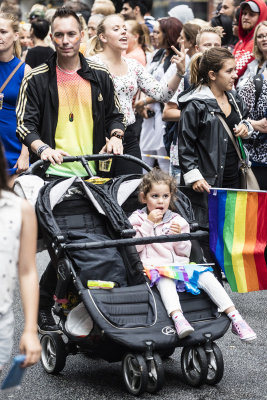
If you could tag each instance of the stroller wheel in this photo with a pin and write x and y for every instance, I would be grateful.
(194, 365)
(53, 355)
(215, 365)
(135, 374)
(155, 374)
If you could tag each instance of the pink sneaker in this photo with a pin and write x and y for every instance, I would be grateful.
(183, 327)
(244, 331)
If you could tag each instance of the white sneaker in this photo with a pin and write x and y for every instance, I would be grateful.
(182, 326)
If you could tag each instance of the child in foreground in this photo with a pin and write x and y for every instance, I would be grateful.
(157, 192)
(18, 239)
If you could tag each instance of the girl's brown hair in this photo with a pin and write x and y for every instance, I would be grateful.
(156, 175)
(211, 60)
(15, 26)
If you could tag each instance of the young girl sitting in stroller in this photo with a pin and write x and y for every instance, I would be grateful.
(157, 192)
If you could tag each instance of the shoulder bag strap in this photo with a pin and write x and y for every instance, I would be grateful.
(258, 83)
(226, 127)
(10, 76)
(236, 106)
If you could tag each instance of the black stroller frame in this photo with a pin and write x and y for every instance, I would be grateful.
(141, 346)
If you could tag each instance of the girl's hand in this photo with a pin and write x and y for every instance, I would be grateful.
(30, 346)
(201, 186)
(175, 228)
(155, 216)
(241, 130)
(179, 58)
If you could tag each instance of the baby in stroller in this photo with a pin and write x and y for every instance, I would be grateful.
(157, 191)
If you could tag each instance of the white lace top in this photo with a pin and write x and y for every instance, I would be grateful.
(136, 78)
(10, 222)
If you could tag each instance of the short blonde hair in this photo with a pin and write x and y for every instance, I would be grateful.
(256, 51)
(208, 29)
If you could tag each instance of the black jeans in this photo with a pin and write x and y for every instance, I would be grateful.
(131, 146)
(261, 176)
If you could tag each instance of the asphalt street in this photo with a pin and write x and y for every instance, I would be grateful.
(245, 376)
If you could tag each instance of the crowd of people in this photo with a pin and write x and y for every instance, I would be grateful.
(179, 92)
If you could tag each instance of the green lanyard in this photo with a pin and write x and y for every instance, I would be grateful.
(243, 154)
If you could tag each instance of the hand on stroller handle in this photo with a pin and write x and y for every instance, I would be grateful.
(88, 157)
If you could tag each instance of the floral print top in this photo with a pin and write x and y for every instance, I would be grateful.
(136, 78)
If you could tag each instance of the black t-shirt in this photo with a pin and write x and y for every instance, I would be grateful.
(38, 55)
(230, 175)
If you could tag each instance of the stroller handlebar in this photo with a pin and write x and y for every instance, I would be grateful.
(84, 160)
(136, 241)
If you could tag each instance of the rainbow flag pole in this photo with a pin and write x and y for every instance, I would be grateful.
(238, 236)
(156, 156)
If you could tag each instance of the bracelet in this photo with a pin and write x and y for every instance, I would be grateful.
(180, 75)
(248, 125)
(117, 135)
(41, 149)
(145, 102)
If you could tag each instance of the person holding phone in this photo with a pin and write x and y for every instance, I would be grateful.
(166, 34)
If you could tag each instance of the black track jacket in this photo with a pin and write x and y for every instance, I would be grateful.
(37, 105)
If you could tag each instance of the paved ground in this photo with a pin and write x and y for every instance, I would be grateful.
(244, 378)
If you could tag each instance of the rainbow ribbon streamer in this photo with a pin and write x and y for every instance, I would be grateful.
(238, 237)
(186, 276)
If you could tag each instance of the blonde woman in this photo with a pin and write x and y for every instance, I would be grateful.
(129, 76)
(256, 101)
(17, 155)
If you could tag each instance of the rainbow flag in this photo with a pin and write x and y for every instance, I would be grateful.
(238, 237)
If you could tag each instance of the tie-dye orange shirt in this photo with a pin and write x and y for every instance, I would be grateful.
(76, 136)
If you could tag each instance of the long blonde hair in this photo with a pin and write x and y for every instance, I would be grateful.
(15, 26)
(95, 44)
(256, 51)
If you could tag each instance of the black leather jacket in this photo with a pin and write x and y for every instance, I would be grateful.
(202, 143)
(37, 105)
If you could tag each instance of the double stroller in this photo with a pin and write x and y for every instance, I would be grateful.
(102, 285)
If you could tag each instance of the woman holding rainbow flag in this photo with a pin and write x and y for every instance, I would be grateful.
(210, 108)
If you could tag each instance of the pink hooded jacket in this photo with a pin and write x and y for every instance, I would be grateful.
(161, 253)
